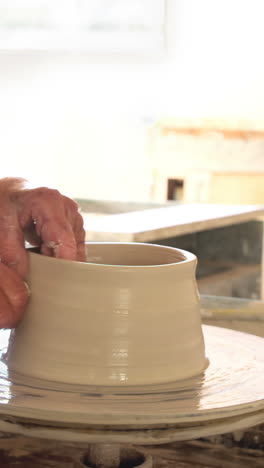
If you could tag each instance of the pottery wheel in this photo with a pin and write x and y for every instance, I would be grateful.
(228, 396)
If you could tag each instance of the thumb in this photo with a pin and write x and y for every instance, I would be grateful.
(14, 296)
(12, 243)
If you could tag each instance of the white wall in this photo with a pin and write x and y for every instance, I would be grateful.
(77, 124)
(76, 121)
(216, 65)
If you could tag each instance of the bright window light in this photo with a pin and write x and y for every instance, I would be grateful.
(92, 25)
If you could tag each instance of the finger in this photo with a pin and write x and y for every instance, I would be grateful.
(6, 312)
(44, 250)
(57, 237)
(12, 245)
(80, 238)
(14, 295)
(76, 221)
(46, 208)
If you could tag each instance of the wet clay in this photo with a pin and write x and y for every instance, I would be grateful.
(129, 316)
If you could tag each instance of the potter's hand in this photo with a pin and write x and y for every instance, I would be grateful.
(43, 217)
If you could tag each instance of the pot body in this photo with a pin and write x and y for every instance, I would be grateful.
(129, 316)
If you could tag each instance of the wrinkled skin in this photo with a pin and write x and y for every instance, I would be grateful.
(44, 218)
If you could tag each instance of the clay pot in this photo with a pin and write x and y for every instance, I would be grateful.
(128, 316)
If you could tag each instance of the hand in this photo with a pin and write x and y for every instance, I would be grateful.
(43, 217)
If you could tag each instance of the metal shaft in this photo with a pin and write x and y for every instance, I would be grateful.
(105, 455)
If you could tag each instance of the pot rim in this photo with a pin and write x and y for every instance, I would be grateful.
(188, 258)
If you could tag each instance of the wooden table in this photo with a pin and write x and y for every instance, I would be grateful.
(150, 225)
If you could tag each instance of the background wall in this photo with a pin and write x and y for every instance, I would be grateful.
(215, 66)
(80, 122)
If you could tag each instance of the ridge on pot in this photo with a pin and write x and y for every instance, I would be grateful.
(129, 316)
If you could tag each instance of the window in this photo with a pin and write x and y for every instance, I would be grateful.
(91, 25)
(175, 189)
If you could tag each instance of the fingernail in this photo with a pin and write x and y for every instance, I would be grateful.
(27, 286)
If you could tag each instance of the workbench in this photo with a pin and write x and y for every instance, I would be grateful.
(172, 224)
(148, 225)
(236, 450)
(219, 453)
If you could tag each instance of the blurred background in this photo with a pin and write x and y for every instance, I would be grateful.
(143, 100)
(138, 104)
